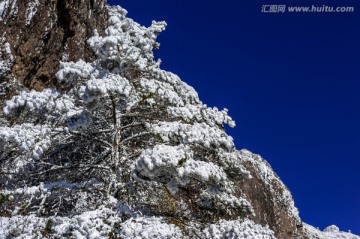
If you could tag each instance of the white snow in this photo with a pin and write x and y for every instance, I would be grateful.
(31, 11)
(70, 72)
(238, 229)
(78, 118)
(198, 133)
(149, 228)
(232, 163)
(96, 224)
(203, 171)
(8, 7)
(331, 232)
(110, 84)
(48, 100)
(177, 162)
(43, 187)
(6, 60)
(211, 116)
(162, 89)
(8, 52)
(125, 42)
(177, 165)
(161, 156)
(332, 228)
(27, 137)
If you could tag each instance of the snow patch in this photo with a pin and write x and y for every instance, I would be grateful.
(27, 137)
(7, 60)
(48, 100)
(8, 7)
(71, 72)
(331, 232)
(238, 229)
(96, 224)
(31, 11)
(149, 228)
(109, 85)
(177, 162)
(332, 228)
(198, 134)
(211, 116)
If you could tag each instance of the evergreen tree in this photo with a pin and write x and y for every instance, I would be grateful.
(118, 142)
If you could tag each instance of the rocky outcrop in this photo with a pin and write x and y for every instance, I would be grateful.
(270, 198)
(40, 33)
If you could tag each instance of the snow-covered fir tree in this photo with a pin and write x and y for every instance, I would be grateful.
(123, 149)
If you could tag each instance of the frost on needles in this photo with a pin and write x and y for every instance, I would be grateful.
(129, 150)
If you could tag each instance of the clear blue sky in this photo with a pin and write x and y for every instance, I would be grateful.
(291, 81)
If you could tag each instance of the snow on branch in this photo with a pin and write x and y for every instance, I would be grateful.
(27, 137)
(238, 229)
(177, 162)
(71, 72)
(125, 42)
(148, 228)
(198, 133)
(110, 84)
(48, 101)
(199, 113)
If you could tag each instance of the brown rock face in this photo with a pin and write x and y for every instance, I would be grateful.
(43, 32)
(271, 200)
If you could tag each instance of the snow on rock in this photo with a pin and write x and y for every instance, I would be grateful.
(99, 224)
(269, 177)
(331, 232)
(332, 228)
(238, 229)
(149, 228)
